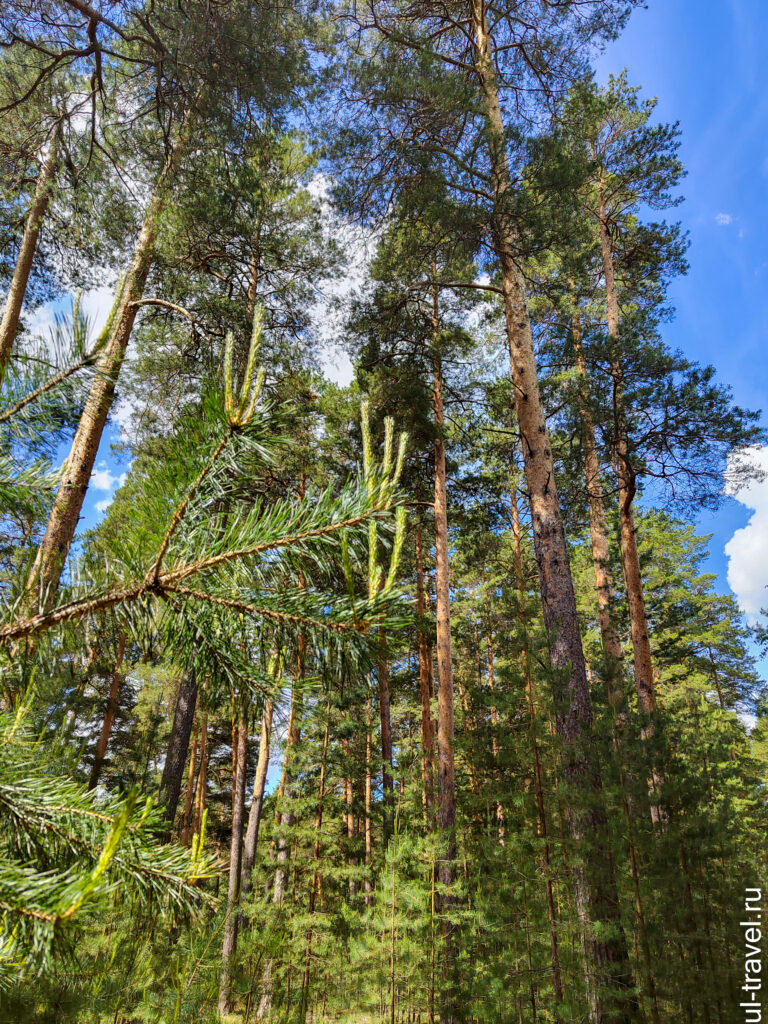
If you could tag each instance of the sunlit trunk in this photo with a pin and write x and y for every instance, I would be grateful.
(538, 777)
(425, 685)
(62, 522)
(446, 786)
(627, 487)
(257, 800)
(229, 945)
(17, 289)
(608, 974)
(109, 715)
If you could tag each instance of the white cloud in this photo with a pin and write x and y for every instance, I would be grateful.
(337, 366)
(331, 309)
(747, 550)
(102, 506)
(724, 218)
(102, 479)
(40, 320)
(97, 304)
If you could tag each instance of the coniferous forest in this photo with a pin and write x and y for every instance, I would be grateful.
(401, 702)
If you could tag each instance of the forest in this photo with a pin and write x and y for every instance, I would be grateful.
(402, 701)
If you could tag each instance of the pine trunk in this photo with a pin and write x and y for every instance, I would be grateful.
(229, 945)
(285, 819)
(500, 816)
(257, 801)
(305, 982)
(368, 804)
(62, 523)
(189, 793)
(17, 290)
(201, 790)
(446, 808)
(178, 746)
(109, 715)
(425, 685)
(538, 779)
(385, 718)
(598, 529)
(627, 487)
(609, 977)
(612, 649)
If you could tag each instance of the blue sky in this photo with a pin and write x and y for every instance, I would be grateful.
(705, 61)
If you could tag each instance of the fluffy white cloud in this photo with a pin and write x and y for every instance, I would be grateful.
(97, 304)
(747, 550)
(102, 506)
(724, 218)
(102, 479)
(331, 309)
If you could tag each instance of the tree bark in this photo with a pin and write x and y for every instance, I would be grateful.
(609, 977)
(612, 650)
(627, 487)
(189, 794)
(385, 718)
(178, 746)
(500, 816)
(17, 290)
(538, 780)
(109, 715)
(201, 791)
(643, 661)
(286, 819)
(349, 819)
(315, 872)
(257, 800)
(62, 523)
(425, 685)
(229, 945)
(446, 810)
(368, 804)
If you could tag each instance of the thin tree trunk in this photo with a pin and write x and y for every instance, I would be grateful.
(235, 748)
(469, 730)
(529, 957)
(627, 487)
(601, 556)
(349, 819)
(286, 819)
(257, 801)
(425, 685)
(254, 267)
(109, 715)
(368, 804)
(500, 817)
(315, 871)
(612, 650)
(17, 290)
(69, 727)
(189, 794)
(62, 522)
(201, 790)
(446, 811)
(385, 717)
(610, 982)
(229, 945)
(538, 781)
(178, 746)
